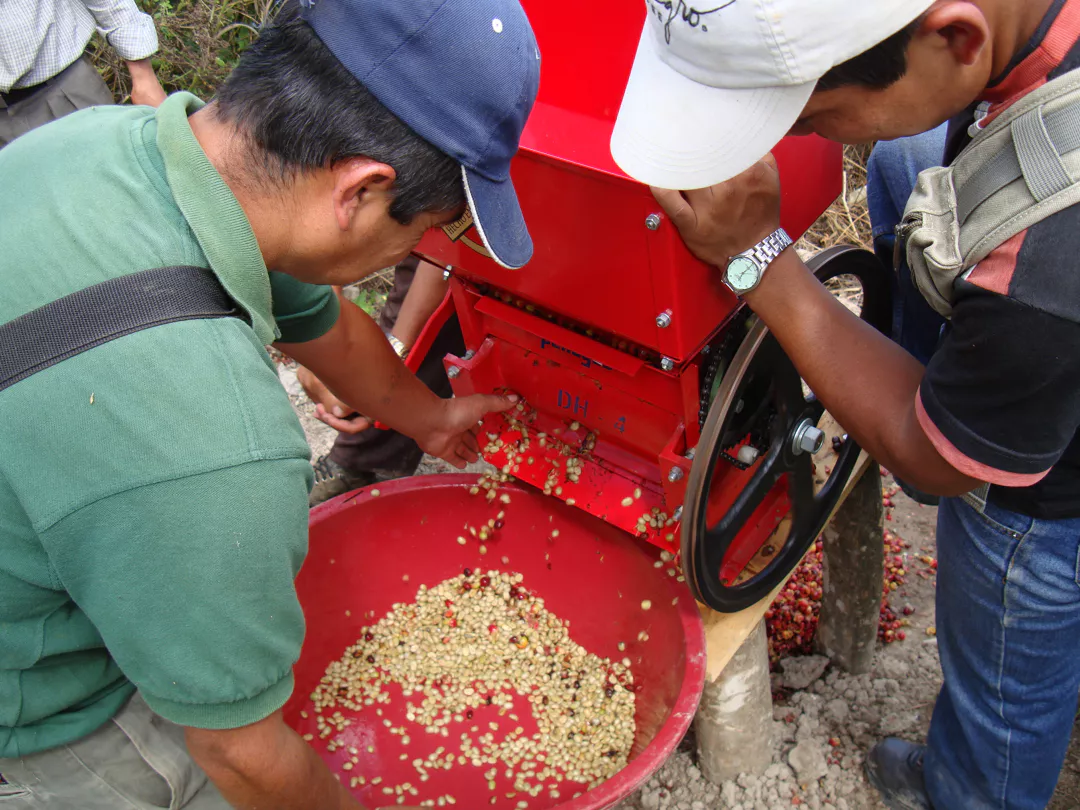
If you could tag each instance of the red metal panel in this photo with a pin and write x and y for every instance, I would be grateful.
(431, 330)
(564, 394)
(591, 262)
(587, 353)
(595, 261)
(597, 268)
(597, 264)
(582, 75)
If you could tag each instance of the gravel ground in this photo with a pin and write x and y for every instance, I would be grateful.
(824, 720)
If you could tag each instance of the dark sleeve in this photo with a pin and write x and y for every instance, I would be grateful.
(1001, 397)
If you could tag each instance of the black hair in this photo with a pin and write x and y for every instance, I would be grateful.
(878, 68)
(302, 110)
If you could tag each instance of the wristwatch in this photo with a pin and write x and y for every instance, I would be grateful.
(745, 270)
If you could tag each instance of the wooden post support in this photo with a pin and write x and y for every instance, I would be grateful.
(734, 722)
(852, 568)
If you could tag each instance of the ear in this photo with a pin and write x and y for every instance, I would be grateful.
(960, 27)
(358, 183)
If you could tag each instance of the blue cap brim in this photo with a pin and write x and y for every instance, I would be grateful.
(498, 219)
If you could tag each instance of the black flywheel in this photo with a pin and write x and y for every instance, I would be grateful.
(768, 470)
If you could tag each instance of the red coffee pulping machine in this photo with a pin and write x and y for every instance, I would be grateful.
(651, 398)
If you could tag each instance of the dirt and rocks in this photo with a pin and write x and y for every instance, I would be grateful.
(824, 720)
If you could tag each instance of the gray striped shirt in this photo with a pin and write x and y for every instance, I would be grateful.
(39, 38)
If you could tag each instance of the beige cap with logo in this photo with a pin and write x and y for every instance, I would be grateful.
(717, 83)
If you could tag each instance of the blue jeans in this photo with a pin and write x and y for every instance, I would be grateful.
(1008, 619)
(1008, 598)
(890, 176)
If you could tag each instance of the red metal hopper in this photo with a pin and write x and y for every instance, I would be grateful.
(618, 339)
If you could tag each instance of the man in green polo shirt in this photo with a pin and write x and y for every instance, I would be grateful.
(153, 489)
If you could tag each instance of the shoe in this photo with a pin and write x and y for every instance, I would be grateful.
(895, 768)
(331, 480)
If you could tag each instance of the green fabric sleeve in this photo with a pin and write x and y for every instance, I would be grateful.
(303, 311)
(224, 715)
(190, 584)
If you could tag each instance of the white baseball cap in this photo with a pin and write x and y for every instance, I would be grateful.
(717, 84)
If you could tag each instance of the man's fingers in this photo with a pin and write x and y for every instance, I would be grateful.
(480, 404)
(704, 199)
(496, 403)
(347, 426)
(679, 211)
(469, 440)
(321, 395)
(357, 424)
(700, 199)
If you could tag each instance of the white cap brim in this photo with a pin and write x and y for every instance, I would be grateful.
(675, 133)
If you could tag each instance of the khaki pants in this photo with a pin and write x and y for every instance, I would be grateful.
(137, 761)
(75, 87)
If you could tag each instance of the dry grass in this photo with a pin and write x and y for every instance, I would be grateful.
(847, 222)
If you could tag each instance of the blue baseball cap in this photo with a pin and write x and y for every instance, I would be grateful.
(463, 75)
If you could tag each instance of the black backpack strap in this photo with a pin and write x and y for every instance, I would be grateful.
(75, 323)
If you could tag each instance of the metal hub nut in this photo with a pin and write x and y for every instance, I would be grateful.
(807, 438)
(667, 364)
(453, 371)
(675, 474)
(652, 222)
(663, 320)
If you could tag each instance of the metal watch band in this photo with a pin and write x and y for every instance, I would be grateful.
(766, 251)
(397, 346)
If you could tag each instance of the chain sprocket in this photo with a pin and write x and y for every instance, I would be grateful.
(717, 364)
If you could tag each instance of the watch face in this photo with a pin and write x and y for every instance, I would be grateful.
(743, 274)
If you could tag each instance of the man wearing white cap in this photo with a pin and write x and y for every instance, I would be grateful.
(996, 410)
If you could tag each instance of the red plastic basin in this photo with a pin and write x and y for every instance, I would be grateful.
(363, 544)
